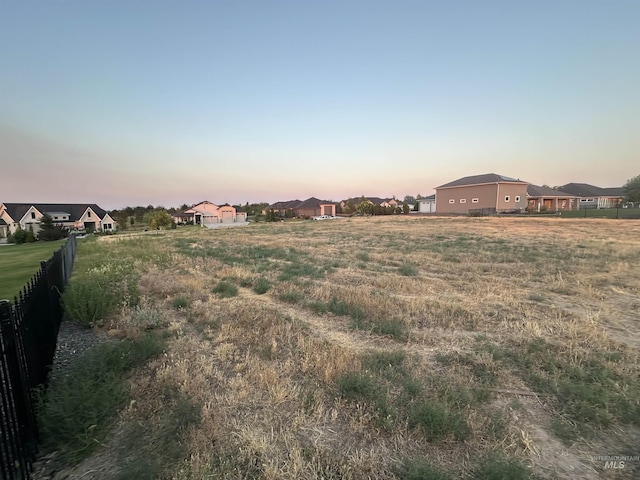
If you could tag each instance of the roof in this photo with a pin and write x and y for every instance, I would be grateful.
(430, 197)
(536, 191)
(312, 202)
(586, 190)
(285, 205)
(75, 210)
(480, 180)
(2, 222)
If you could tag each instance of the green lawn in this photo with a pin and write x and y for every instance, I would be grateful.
(603, 213)
(18, 263)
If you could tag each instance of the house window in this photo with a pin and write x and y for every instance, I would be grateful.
(463, 200)
(507, 198)
(89, 214)
(517, 198)
(474, 200)
(452, 201)
(33, 215)
(55, 218)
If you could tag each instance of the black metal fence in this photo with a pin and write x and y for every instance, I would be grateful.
(28, 335)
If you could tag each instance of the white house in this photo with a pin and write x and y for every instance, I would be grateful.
(71, 215)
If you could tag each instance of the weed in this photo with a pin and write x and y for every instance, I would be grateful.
(354, 385)
(498, 467)
(165, 444)
(78, 406)
(291, 296)
(392, 328)
(180, 303)
(225, 289)
(380, 361)
(363, 256)
(421, 469)
(261, 286)
(438, 422)
(408, 270)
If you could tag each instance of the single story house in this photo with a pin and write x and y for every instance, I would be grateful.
(87, 216)
(311, 207)
(488, 193)
(427, 204)
(549, 199)
(590, 196)
(207, 213)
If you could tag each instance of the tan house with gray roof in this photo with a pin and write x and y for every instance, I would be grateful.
(488, 193)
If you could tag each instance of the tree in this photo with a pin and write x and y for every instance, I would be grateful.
(158, 219)
(405, 208)
(31, 236)
(19, 236)
(631, 190)
(50, 231)
(271, 216)
(410, 199)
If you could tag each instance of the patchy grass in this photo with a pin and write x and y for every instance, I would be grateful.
(508, 340)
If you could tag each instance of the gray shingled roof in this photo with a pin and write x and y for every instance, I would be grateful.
(480, 179)
(536, 191)
(586, 190)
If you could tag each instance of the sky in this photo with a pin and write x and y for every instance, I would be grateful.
(138, 102)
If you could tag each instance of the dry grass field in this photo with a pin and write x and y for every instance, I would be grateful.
(376, 348)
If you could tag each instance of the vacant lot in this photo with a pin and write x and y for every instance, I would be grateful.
(18, 263)
(371, 348)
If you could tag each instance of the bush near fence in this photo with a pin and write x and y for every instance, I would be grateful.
(28, 335)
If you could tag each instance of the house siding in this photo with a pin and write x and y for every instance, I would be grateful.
(490, 196)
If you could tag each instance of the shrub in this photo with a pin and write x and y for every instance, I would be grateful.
(31, 237)
(225, 289)
(19, 236)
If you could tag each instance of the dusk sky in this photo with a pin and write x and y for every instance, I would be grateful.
(167, 102)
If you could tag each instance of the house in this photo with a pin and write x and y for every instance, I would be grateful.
(208, 213)
(590, 196)
(427, 204)
(549, 199)
(488, 193)
(311, 207)
(87, 216)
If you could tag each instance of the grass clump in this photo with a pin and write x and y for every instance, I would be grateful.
(79, 405)
(421, 469)
(498, 467)
(180, 303)
(408, 270)
(225, 289)
(261, 286)
(438, 422)
(392, 328)
(291, 296)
